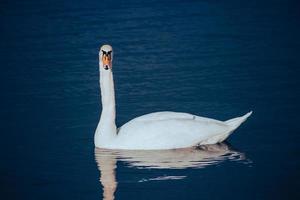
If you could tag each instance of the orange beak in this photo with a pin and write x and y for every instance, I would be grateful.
(106, 60)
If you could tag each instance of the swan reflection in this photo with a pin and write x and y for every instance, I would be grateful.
(199, 157)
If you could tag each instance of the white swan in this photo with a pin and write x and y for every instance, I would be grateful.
(160, 130)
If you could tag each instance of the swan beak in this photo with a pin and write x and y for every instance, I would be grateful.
(106, 60)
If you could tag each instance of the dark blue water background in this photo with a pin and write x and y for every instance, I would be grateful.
(217, 59)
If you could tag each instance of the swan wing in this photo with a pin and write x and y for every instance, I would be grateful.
(168, 115)
(168, 130)
(165, 115)
(171, 130)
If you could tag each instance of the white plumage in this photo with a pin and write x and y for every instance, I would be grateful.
(160, 130)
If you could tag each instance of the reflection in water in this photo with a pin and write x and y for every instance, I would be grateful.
(106, 162)
(199, 157)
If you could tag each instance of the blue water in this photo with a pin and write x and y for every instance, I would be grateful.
(217, 59)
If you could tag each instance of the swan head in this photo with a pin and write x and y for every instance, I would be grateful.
(106, 57)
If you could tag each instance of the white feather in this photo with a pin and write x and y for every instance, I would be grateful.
(159, 130)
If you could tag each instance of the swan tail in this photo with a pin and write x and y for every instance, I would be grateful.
(236, 122)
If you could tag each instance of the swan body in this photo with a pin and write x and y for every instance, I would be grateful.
(159, 130)
(170, 130)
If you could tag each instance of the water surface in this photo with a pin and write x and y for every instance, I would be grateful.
(216, 59)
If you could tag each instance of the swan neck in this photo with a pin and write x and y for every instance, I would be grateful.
(106, 129)
(107, 91)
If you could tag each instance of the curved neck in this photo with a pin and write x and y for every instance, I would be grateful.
(107, 90)
(106, 129)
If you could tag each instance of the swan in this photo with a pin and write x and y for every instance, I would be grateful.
(154, 131)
